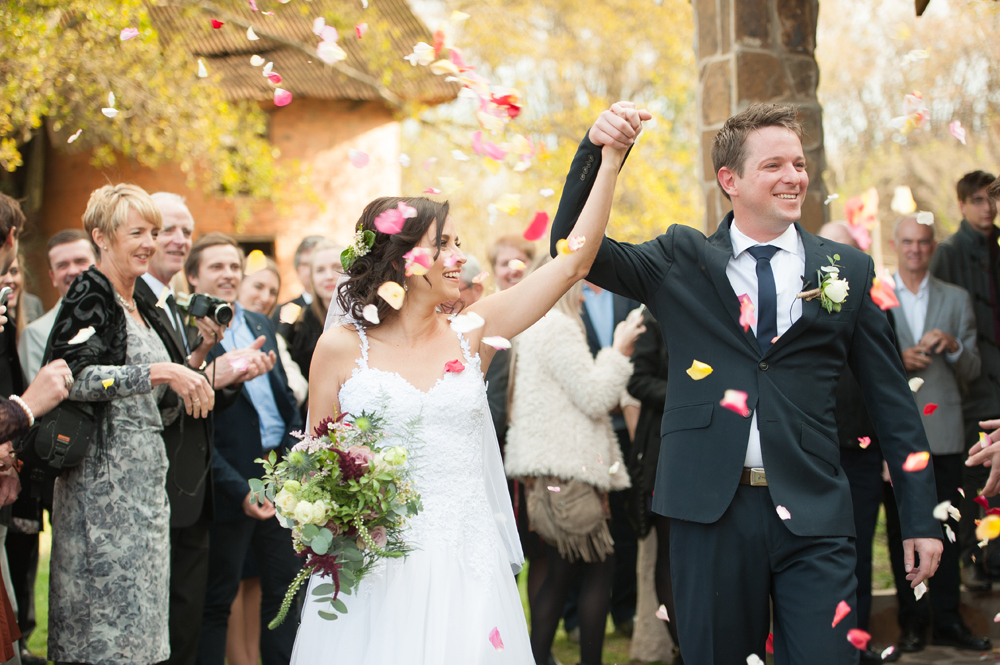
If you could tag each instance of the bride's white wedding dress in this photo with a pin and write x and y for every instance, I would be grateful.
(440, 604)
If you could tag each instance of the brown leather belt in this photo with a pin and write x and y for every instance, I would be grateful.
(753, 477)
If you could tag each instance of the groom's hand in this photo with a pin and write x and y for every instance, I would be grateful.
(929, 552)
(262, 511)
(619, 126)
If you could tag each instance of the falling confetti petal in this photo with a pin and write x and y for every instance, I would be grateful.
(391, 221)
(982, 502)
(916, 383)
(930, 408)
(956, 129)
(466, 323)
(432, 190)
(902, 201)
(661, 613)
(996, 618)
(392, 293)
(516, 264)
(256, 261)
(449, 185)
(888, 651)
(370, 314)
(864, 441)
(883, 293)
(358, 159)
(948, 532)
(783, 513)
(442, 67)
(318, 24)
(916, 461)
(251, 35)
(941, 511)
(698, 370)
(418, 260)
(457, 17)
(273, 77)
(495, 640)
(497, 342)
(454, 366)
(843, 609)
(107, 383)
(962, 492)
(831, 197)
(858, 638)
(423, 54)
(330, 52)
(240, 364)
(217, 24)
(289, 313)
(988, 528)
(537, 227)
(955, 513)
(75, 136)
(202, 71)
(509, 203)
(82, 335)
(925, 218)
(404, 160)
(547, 192)
(478, 279)
(613, 469)
(110, 112)
(253, 5)
(754, 659)
(769, 644)
(747, 317)
(129, 33)
(554, 488)
(256, 60)
(360, 29)
(282, 97)
(919, 590)
(736, 401)
(459, 156)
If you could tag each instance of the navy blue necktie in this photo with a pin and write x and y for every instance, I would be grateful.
(767, 296)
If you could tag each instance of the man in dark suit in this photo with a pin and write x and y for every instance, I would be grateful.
(189, 440)
(760, 508)
(303, 269)
(260, 421)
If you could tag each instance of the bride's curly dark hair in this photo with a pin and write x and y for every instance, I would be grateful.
(385, 262)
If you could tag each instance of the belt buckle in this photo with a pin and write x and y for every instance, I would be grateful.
(757, 478)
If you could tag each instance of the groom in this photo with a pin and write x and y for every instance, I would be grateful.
(761, 508)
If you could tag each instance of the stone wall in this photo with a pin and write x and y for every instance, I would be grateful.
(758, 51)
(313, 137)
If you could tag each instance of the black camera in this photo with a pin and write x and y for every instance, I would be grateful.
(201, 305)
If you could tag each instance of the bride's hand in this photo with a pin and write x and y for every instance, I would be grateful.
(617, 129)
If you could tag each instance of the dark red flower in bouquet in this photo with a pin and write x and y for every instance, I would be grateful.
(323, 428)
(349, 469)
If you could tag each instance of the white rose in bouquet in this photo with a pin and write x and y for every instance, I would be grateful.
(319, 511)
(285, 501)
(303, 513)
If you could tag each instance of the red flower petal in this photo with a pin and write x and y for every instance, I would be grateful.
(537, 227)
(274, 77)
(736, 401)
(843, 609)
(217, 24)
(769, 645)
(858, 638)
(981, 500)
(930, 408)
(457, 367)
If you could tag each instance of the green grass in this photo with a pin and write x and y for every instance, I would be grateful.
(37, 641)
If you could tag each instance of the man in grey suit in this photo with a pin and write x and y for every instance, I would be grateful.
(936, 335)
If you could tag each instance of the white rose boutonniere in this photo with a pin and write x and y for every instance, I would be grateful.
(833, 290)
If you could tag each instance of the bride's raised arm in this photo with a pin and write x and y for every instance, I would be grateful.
(510, 312)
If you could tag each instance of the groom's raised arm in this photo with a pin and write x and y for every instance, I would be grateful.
(633, 271)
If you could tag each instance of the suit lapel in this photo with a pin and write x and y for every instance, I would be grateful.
(816, 257)
(146, 292)
(934, 304)
(718, 252)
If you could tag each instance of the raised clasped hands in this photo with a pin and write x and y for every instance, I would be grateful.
(618, 128)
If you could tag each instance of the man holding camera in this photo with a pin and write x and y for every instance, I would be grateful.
(261, 420)
(189, 440)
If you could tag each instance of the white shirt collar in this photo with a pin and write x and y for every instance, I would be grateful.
(157, 286)
(307, 297)
(788, 241)
(921, 290)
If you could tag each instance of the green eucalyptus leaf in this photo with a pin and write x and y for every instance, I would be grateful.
(329, 616)
(339, 605)
(323, 589)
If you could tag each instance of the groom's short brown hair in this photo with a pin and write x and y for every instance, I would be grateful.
(729, 146)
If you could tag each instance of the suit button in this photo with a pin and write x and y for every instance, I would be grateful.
(763, 365)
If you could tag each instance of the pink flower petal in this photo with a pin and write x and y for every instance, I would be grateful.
(406, 211)
(537, 227)
(390, 222)
(858, 638)
(217, 24)
(747, 317)
(864, 441)
(783, 513)
(318, 24)
(282, 97)
(661, 613)
(360, 29)
(736, 401)
(495, 640)
(457, 367)
(358, 159)
(962, 492)
(843, 609)
(432, 190)
(478, 279)
(329, 34)
(274, 77)
(253, 5)
(956, 129)
(240, 364)
(128, 33)
(883, 294)
(916, 461)
(418, 260)
(556, 488)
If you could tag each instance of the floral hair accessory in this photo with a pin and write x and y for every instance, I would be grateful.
(363, 241)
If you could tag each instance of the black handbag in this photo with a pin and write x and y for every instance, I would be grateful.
(64, 435)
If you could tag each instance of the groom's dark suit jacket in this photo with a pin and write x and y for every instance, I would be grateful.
(681, 276)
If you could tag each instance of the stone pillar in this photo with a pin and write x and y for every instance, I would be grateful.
(758, 51)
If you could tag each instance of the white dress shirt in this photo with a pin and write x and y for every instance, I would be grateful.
(914, 306)
(158, 288)
(788, 266)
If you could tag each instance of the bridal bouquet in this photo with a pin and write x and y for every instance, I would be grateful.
(346, 500)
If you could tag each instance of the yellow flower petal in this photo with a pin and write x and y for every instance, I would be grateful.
(289, 313)
(698, 370)
(107, 383)
(392, 293)
(989, 528)
(256, 261)
(509, 203)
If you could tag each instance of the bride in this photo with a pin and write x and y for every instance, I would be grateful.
(453, 599)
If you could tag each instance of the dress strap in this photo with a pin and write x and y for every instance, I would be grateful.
(363, 360)
(467, 350)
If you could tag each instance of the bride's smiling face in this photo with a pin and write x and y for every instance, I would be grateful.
(445, 274)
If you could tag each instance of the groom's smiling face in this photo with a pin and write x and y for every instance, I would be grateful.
(770, 192)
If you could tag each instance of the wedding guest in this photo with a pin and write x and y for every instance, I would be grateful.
(25, 307)
(649, 385)
(324, 271)
(69, 253)
(110, 514)
(561, 432)
(970, 258)
(301, 262)
(259, 293)
(472, 288)
(261, 421)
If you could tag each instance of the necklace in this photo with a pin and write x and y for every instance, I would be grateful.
(129, 306)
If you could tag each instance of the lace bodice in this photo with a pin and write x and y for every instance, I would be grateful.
(442, 430)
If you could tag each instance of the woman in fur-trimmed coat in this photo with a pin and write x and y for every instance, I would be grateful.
(560, 426)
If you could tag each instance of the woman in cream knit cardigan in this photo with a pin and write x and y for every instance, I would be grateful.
(560, 426)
